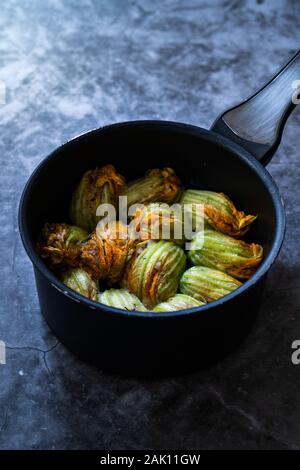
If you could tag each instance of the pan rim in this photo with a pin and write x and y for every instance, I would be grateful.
(188, 129)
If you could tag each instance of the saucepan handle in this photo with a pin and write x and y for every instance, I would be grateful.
(257, 123)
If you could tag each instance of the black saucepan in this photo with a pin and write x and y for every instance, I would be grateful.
(227, 158)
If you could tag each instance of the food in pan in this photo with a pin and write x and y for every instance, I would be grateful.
(80, 281)
(158, 221)
(60, 244)
(219, 212)
(98, 186)
(205, 283)
(178, 302)
(159, 185)
(153, 274)
(121, 298)
(105, 254)
(218, 251)
(147, 262)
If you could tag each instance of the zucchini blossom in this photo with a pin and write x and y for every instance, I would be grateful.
(219, 212)
(219, 251)
(121, 298)
(60, 244)
(158, 221)
(153, 273)
(178, 302)
(99, 186)
(105, 254)
(205, 283)
(80, 281)
(159, 185)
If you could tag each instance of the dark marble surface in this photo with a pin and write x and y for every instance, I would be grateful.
(70, 66)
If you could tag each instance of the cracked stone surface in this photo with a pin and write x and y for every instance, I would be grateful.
(70, 66)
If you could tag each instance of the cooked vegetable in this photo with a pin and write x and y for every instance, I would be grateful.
(121, 298)
(98, 186)
(159, 221)
(80, 281)
(105, 254)
(153, 275)
(219, 251)
(202, 282)
(219, 212)
(142, 264)
(178, 302)
(159, 185)
(60, 244)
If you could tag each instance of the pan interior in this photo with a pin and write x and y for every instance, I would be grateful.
(198, 158)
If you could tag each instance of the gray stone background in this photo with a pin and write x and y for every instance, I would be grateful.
(73, 65)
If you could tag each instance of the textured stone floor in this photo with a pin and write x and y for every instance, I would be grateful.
(70, 66)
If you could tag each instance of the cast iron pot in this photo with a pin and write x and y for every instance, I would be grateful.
(229, 158)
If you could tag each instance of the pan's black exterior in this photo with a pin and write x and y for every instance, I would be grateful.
(149, 345)
(155, 343)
